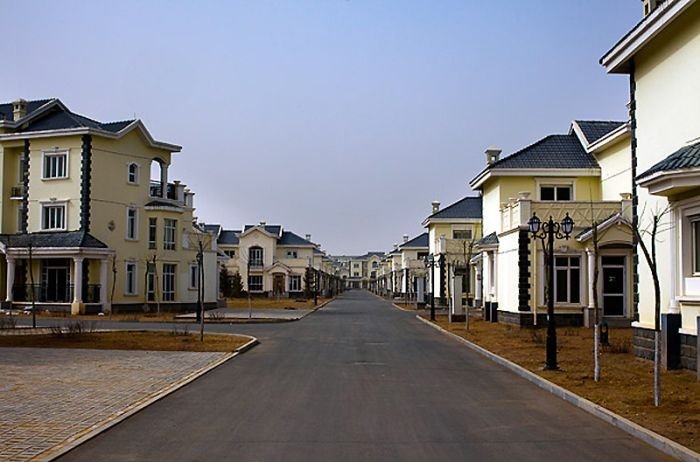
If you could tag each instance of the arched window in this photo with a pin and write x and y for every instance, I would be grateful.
(158, 177)
(133, 173)
(255, 256)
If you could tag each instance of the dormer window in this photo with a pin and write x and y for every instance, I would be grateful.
(55, 165)
(556, 193)
(133, 173)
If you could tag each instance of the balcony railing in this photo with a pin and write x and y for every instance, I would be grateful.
(516, 214)
(17, 192)
(54, 293)
(171, 190)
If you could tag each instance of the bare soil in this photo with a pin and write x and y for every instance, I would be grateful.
(179, 340)
(626, 385)
(273, 303)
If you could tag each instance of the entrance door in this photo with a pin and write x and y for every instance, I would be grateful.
(56, 287)
(278, 286)
(613, 286)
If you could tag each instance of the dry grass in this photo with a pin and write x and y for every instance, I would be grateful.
(626, 386)
(179, 340)
(125, 317)
(273, 303)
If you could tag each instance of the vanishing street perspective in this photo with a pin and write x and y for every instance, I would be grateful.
(350, 230)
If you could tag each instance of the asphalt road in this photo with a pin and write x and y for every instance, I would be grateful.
(361, 381)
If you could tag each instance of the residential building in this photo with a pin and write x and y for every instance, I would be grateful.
(84, 225)
(584, 174)
(358, 272)
(661, 56)
(412, 275)
(452, 234)
(273, 261)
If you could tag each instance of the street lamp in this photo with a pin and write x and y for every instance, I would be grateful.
(429, 262)
(549, 231)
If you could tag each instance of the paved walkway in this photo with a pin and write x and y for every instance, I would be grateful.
(48, 396)
(244, 313)
(361, 381)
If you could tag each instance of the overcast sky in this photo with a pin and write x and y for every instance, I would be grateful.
(343, 119)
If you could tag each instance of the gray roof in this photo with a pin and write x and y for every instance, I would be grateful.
(272, 229)
(419, 241)
(53, 239)
(58, 117)
(551, 152)
(594, 130)
(489, 239)
(229, 237)
(289, 238)
(685, 158)
(468, 207)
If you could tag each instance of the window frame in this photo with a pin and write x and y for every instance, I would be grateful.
(45, 155)
(253, 262)
(294, 287)
(131, 270)
(137, 174)
(169, 224)
(57, 205)
(193, 276)
(152, 233)
(469, 231)
(169, 295)
(569, 282)
(250, 285)
(695, 252)
(293, 254)
(129, 235)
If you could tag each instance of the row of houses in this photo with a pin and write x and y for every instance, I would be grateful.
(611, 178)
(91, 221)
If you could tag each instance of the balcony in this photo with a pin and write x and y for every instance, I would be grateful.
(517, 213)
(173, 192)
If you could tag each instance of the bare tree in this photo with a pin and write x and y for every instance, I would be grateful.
(596, 305)
(114, 284)
(649, 251)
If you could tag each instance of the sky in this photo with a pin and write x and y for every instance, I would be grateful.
(343, 119)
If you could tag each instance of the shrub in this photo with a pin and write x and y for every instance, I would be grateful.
(8, 322)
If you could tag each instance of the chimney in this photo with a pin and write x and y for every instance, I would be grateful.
(492, 155)
(262, 223)
(405, 238)
(308, 237)
(396, 246)
(19, 109)
(436, 206)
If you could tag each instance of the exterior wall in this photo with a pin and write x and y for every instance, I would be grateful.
(506, 273)
(667, 111)
(616, 170)
(10, 178)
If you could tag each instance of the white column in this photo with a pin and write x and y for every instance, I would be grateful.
(676, 229)
(477, 283)
(10, 277)
(591, 276)
(486, 259)
(104, 271)
(494, 278)
(78, 280)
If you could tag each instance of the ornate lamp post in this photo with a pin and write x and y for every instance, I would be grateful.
(429, 262)
(549, 231)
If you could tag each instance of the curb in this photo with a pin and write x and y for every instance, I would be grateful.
(93, 431)
(653, 439)
(403, 309)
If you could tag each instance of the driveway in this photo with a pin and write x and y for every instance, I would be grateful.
(361, 380)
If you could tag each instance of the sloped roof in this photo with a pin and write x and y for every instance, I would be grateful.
(594, 130)
(229, 237)
(289, 238)
(421, 240)
(686, 157)
(214, 229)
(53, 239)
(272, 229)
(6, 108)
(468, 207)
(551, 152)
(57, 119)
(489, 239)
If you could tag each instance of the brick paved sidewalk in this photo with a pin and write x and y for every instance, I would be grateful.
(51, 396)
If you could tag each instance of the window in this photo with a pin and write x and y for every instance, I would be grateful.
(230, 253)
(255, 256)
(130, 285)
(356, 274)
(294, 283)
(355, 265)
(53, 217)
(152, 232)
(421, 256)
(194, 276)
(169, 233)
(133, 173)
(462, 234)
(131, 223)
(567, 280)
(169, 282)
(151, 282)
(291, 254)
(556, 193)
(255, 283)
(55, 165)
(374, 264)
